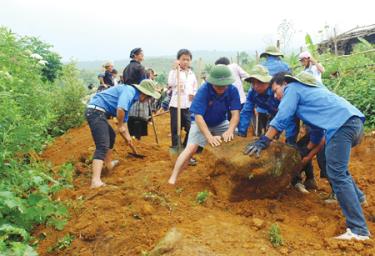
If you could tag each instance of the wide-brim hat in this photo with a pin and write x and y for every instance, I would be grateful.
(303, 78)
(259, 73)
(271, 50)
(148, 87)
(220, 75)
(107, 64)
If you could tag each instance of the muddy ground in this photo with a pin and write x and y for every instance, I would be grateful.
(137, 208)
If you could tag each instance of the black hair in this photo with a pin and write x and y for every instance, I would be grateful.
(222, 60)
(114, 71)
(149, 71)
(134, 52)
(184, 52)
(278, 78)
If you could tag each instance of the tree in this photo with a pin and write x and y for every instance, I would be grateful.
(285, 32)
(51, 60)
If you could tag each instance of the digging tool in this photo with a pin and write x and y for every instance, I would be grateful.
(257, 124)
(177, 151)
(153, 124)
(132, 147)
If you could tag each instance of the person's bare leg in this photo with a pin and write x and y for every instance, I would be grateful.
(108, 161)
(182, 161)
(97, 166)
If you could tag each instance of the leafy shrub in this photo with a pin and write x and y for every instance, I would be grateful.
(274, 235)
(202, 197)
(37, 102)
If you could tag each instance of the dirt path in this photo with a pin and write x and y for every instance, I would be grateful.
(138, 208)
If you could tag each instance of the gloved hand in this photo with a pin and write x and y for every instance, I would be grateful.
(257, 146)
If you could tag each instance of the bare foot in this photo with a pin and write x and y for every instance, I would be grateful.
(97, 184)
(172, 181)
(114, 164)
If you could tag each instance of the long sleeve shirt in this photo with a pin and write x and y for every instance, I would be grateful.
(188, 86)
(315, 106)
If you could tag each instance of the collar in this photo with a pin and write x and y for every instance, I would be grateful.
(268, 92)
(273, 57)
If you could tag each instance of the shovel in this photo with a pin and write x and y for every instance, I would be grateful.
(134, 153)
(153, 124)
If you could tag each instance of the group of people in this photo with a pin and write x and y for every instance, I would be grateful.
(219, 109)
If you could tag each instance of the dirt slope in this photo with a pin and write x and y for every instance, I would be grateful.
(138, 207)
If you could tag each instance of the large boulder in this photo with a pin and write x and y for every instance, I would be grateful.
(235, 176)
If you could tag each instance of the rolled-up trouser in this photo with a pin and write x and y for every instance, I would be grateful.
(101, 131)
(337, 156)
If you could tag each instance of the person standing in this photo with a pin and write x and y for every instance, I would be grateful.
(188, 86)
(239, 75)
(106, 79)
(134, 72)
(274, 64)
(311, 65)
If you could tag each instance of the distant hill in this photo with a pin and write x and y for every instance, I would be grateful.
(162, 63)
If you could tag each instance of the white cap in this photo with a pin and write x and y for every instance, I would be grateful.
(304, 55)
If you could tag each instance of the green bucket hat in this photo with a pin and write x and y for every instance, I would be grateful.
(304, 78)
(220, 75)
(148, 87)
(260, 73)
(273, 51)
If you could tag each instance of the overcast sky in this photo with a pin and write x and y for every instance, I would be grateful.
(92, 30)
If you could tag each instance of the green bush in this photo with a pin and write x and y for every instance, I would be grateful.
(39, 98)
(353, 78)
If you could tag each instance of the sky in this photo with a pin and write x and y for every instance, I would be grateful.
(108, 30)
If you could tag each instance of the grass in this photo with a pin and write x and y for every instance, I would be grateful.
(202, 197)
(275, 235)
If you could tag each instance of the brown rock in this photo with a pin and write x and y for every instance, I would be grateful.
(258, 223)
(168, 243)
(235, 176)
(313, 221)
(147, 209)
(284, 250)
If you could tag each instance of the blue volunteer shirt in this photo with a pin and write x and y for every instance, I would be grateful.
(316, 106)
(274, 65)
(212, 107)
(265, 101)
(121, 96)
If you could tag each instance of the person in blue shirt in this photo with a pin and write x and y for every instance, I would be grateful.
(261, 95)
(116, 102)
(272, 61)
(209, 110)
(303, 96)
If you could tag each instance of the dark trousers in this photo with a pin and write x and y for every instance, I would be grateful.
(185, 124)
(101, 131)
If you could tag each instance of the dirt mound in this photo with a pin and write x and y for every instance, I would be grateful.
(138, 208)
(236, 176)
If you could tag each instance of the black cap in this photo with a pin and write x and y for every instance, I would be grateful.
(135, 51)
